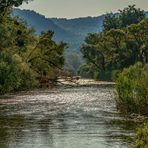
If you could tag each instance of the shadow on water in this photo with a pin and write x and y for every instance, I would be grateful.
(63, 118)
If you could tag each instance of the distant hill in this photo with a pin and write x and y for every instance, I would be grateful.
(72, 31)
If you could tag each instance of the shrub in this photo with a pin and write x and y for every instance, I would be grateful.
(27, 75)
(132, 88)
(15, 74)
(142, 137)
(86, 71)
(9, 78)
(9, 74)
(28, 79)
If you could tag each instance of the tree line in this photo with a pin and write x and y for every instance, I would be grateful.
(120, 53)
(123, 42)
(26, 61)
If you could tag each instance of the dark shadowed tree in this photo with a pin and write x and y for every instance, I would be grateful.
(131, 15)
(111, 22)
(6, 4)
(125, 17)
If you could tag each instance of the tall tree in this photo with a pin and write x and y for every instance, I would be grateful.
(11, 3)
(5, 6)
(130, 15)
(111, 21)
(25, 58)
(125, 17)
(122, 43)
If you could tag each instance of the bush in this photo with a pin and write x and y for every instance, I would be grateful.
(27, 75)
(86, 71)
(9, 74)
(132, 88)
(9, 78)
(142, 137)
(28, 79)
(15, 74)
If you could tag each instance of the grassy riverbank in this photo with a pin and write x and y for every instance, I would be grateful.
(141, 137)
(132, 88)
(132, 99)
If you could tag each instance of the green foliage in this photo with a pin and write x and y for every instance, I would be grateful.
(142, 137)
(73, 61)
(71, 31)
(10, 3)
(126, 17)
(47, 55)
(130, 15)
(132, 88)
(6, 5)
(9, 73)
(120, 46)
(86, 71)
(111, 21)
(25, 60)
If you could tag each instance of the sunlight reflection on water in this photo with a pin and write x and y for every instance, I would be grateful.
(63, 118)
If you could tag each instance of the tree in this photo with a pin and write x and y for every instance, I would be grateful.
(139, 36)
(7, 4)
(47, 58)
(124, 18)
(121, 44)
(130, 15)
(111, 21)
(11, 3)
(24, 58)
(91, 51)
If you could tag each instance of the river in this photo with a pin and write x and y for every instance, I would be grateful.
(78, 117)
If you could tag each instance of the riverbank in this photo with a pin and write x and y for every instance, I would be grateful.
(84, 83)
(66, 83)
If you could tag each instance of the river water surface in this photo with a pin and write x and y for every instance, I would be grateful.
(63, 118)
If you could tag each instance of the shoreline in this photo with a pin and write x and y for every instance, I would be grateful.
(63, 84)
(85, 83)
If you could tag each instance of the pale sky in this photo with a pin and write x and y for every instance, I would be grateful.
(80, 8)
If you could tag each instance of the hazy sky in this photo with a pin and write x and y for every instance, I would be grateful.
(80, 8)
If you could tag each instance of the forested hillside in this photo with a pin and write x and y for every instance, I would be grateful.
(72, 31)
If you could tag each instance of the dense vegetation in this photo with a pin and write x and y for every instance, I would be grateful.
(142, 137)
(123, 42)
(115, 52)
(71, 31)
(132, 87)
(26, 61)
(121, 49)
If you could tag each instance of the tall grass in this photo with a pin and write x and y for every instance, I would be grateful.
(142, 137)
(132, 88)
